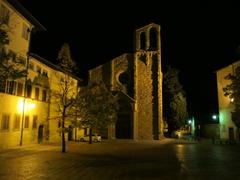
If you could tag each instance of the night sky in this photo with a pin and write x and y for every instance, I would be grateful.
(196, 37)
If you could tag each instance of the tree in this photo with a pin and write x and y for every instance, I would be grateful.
(232, 91)
(97, 107)
(65, 59)
(10, 67)
(64, 97)
(3, 36)
(175, 105)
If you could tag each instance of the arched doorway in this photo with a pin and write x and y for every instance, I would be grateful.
(40, 134)
(124, 124)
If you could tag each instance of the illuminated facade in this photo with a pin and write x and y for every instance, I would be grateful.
(137, 78)
(26, 104)
(228, 130)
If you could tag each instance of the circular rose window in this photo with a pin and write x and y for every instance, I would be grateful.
(123, 78)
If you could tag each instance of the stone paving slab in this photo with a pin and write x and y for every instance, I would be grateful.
(168, 159)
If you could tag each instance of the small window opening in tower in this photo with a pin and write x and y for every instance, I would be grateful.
(143, 41)
(123, 78)
(153, 39)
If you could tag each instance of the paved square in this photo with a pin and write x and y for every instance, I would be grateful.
(121, 160)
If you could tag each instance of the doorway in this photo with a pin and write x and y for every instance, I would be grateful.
(124, 124)
(40, 134)
(231, 134)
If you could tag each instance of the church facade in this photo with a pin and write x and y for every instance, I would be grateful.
(137, 79)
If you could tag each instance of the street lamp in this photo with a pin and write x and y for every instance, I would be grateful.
(25, 84)
(24, 106)
(214, 117)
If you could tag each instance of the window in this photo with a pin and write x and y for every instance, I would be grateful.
(34, 125)
(5, 121)
(26, 124)
(44, 95)
(37, 93)
(13, 55)
(16, 124)
(85, 131)
(2, 85)
(11, 87)
(31, 66)
(4, 14)
(29, 91)
(22, 60)
(19, 89)
(38, 69)
(25, 32)
(45, 73)
(143, 41)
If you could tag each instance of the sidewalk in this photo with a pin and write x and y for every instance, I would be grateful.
(33, 146)
(53, 145)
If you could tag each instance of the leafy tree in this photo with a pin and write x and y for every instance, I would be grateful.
(175, 105)
(65, 59)
(97, 107)
(64, 97)
(10, 67)
(232, 91)
(3, 36)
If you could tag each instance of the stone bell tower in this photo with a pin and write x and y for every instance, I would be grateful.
(137, 79)
(148, 120)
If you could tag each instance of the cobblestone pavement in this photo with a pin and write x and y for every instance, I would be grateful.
(112, 160)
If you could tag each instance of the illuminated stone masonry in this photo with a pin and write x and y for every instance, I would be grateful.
(137, 78)
(227, 128)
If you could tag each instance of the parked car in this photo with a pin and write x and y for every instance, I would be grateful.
(95, 138)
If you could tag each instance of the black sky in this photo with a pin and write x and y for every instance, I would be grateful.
(197, 37)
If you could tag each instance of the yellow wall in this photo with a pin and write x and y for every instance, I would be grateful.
(45, 110)
(56, 88)
(12, 105)
(17, 43)
(225, 106)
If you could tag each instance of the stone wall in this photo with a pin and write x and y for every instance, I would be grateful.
(122, 77)
(144, 96)
(211, 131)
(148, 82)
(138, 78)
(224, 102)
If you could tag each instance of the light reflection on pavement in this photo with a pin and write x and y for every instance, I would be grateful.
(122, 160)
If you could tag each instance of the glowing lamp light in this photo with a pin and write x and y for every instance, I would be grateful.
(31, 105)
(20, 106)
(189, 121)
(214, 117)
(232, 99)
(28, 106)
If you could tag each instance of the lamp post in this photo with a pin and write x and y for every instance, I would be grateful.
(23, 115)
(25, 87)
(189, 125)
(215, 117)
(24, 103)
